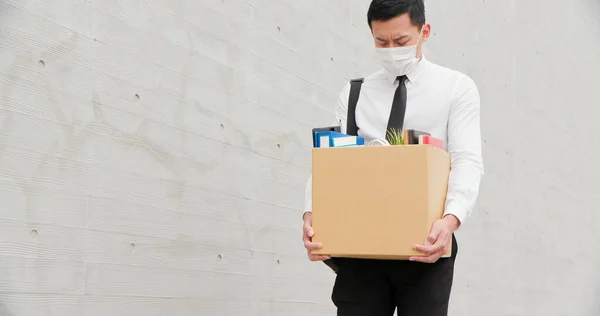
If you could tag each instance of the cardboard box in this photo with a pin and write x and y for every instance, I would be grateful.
(377, 201)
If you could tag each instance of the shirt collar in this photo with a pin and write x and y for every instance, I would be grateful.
(413, 75)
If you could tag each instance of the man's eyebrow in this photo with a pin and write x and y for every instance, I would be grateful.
(380, 39)
(400, 38)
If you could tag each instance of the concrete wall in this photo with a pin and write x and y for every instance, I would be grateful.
(153, 154)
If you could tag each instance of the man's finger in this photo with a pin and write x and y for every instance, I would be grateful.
(433, 258)
(439, 244)
(430, 250)
(428, 259)
(433, 236)
(423, 259)
(305, 238)
(308, 231)
(426, 250)
(309, 245)
(430, 240)
(318, 257)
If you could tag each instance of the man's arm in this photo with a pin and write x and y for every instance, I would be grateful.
(341, 112)
(464, 146)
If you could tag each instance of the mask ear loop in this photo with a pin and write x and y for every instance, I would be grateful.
(417, 44)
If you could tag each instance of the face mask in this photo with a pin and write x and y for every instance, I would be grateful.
(399, 61)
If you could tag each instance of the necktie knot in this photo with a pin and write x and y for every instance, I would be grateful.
(401, 79)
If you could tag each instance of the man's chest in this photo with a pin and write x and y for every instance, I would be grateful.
(427, 109)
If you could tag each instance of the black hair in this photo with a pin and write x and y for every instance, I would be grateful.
(384, 10)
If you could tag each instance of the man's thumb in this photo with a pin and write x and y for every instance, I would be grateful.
(431, 238)
(308, 230)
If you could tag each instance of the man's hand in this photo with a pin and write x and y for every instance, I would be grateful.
(307, 235)
(438, 240)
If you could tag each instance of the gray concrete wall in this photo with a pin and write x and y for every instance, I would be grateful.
(153, 154)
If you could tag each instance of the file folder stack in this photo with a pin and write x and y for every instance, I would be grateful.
(336, 139)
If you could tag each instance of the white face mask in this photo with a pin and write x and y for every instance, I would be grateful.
(399, 61)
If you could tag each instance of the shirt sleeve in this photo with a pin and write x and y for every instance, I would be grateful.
(341, 114)
(464, 146)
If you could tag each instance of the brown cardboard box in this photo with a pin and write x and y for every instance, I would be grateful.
(377, 201)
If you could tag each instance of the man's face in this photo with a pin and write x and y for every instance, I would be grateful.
(398, 32)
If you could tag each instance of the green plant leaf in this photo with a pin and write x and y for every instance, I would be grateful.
(395, 137)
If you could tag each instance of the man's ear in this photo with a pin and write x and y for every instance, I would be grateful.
(426, 32)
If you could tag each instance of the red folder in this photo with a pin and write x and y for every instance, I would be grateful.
(429, 140)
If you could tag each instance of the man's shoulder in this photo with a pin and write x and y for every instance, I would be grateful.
(459, 84)
(372, 78)
(451, 75)
(375, 76)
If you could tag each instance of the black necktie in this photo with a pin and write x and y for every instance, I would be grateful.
(396, 120)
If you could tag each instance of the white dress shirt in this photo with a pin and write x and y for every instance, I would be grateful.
(440, 101)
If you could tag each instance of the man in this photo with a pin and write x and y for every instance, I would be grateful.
(437, 100)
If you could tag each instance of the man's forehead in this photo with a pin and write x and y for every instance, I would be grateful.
(393, 34)
(394, 28)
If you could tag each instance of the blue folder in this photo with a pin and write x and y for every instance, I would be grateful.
(336, 139)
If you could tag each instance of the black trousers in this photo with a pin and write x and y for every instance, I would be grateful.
(379, 287)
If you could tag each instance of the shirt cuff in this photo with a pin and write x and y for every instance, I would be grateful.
(454, 208)
(307, 208)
